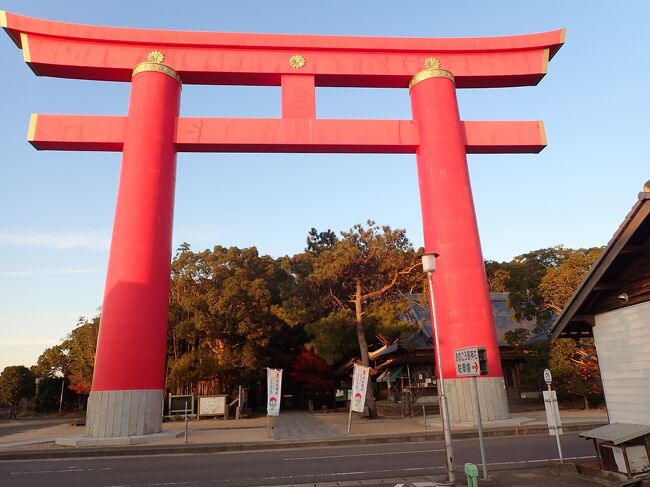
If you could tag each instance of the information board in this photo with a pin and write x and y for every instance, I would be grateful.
(212, 405)
(177, 404)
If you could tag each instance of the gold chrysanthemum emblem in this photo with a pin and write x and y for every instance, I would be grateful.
(156, 57)
(432, 63)
(297, 61)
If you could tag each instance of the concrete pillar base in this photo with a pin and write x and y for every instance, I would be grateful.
(492, 396)
(124, 413)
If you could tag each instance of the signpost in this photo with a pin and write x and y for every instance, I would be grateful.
(468, 364)
(548, 378)
(552, 412)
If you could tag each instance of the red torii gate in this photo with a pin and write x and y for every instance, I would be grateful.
(133, 328)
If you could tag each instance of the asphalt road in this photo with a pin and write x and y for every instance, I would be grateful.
(377, 465)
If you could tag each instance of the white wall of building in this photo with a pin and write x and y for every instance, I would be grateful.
(622, 340)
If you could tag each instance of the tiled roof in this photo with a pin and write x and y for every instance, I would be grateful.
(503, 320)
(503, 317)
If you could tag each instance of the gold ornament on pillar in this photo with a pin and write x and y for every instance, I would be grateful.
(432, 69)
(154, 62)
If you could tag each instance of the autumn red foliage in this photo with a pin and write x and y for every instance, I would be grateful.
(311, 372)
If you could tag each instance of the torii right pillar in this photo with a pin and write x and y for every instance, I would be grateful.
(464, 310)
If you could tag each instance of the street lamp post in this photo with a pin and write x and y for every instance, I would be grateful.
(429, 266)
(62, 386)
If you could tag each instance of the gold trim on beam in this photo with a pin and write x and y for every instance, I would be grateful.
(31, 132)
(563, 35)
(547, 55)
(431, 73)
(24, 42)
(542, 133)
(3, 19)
(160, 68)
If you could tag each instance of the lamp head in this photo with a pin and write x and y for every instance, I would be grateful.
(429, 262)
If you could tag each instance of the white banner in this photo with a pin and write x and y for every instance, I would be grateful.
(274, 387)
(359, 385)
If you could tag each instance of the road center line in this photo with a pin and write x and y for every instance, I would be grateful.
(518, 462)
(63, 470)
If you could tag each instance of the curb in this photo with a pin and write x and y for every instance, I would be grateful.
(275, 445)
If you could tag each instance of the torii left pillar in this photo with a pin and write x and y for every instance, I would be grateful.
(129, 371)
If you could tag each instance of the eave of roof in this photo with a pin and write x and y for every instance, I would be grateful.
(623, 234)
(618, 433)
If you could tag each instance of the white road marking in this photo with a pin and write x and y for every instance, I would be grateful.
(541, 460)
(392, 453)
(63, 470)
(279, 477)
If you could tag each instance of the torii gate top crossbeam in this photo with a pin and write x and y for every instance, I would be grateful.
(107, 53)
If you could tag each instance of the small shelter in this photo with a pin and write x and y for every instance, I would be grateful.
(622, 447)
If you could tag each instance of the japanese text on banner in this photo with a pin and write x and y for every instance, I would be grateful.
(359, 385)
(274, 383)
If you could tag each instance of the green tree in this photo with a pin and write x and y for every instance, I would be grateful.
(80, 347)
(497, 274)
(50, 376)
(16, 382)
(525, 274)
(517, 338)
(537, 359)
(560, 282)
(51, 363)
(73, 360)
(317, 241)
(363, 278)
(48, 395)
(334, 337)
(575, 369)
(226, 321)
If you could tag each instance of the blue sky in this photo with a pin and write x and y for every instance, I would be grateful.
(56, 208)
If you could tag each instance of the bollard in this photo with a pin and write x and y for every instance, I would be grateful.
(186, 422)
(471, 471)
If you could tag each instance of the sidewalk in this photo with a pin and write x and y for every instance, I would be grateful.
(290, 428)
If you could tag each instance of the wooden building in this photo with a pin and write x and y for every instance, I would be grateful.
(612, 304)
(409, 363)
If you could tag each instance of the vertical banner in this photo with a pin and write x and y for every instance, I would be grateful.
(274, 387)
(359, 385)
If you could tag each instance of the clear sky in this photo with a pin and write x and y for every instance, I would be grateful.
(56, 208)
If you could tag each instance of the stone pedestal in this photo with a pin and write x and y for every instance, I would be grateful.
(492, 397)
(124, 413)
